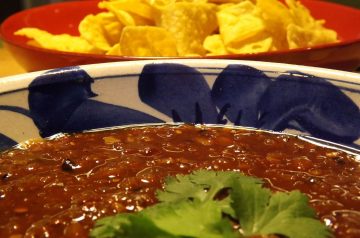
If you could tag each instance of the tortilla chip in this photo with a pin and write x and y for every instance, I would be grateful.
(239, 22)
(62, 42)
(252, 46)
(190, 24)
(112, 27)
(299, 37)
(131, 12)
(115, 50)
(190, 28)
(91, 29)
(215, 45)
(147, 41)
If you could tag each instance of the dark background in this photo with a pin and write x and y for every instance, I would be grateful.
(8, 7)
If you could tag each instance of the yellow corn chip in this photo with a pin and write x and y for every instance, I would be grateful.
(252, 46)
(63, 42)
(306, 31)
(160, 4)
(115, 50)
(239, 22)
(124, 17)
(276, 18)
(147, 41)
(112, 27)
(193, 1)
(300, 14)
(299, 37)
(274, 13)
(33, 43)
(131, 12)
(225, 1)
(190, 28)
(237, 9)
(189, 23)
(92, 30)
(215, 45)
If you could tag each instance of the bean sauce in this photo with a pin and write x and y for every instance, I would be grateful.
(59, 187)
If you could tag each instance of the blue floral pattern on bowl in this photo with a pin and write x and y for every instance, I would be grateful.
(74, 99)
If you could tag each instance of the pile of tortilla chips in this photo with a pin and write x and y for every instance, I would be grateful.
(189, 28)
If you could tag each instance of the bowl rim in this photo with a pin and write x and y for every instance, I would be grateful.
(249, 56)
(20, 82)
(99, 71)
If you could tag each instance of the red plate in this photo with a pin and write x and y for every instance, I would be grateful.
(64, 18)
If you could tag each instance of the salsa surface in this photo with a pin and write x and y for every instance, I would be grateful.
(59, 187)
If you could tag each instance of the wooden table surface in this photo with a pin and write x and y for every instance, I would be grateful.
(8, 65)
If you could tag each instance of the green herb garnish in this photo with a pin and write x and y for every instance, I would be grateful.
(208, 204)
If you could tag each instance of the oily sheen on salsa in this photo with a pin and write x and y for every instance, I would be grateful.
(60, 187)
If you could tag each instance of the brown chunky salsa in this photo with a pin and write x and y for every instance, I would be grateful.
(59, 187)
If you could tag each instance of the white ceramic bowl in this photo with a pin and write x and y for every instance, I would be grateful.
(314, 101)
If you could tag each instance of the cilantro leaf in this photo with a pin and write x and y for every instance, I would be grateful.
(168, 220)
(203, 185)
(179, 218)
(109, 226)
(249, 202)
(261, 213)
(181, 188)
(129, 226)
(191, 206)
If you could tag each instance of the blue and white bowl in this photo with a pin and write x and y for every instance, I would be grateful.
(318, 102)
